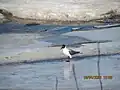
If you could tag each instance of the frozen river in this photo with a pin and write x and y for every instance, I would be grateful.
(30, 55)
(43, 75)
(19, 42)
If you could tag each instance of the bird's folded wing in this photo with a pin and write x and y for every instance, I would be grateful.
(72, 52)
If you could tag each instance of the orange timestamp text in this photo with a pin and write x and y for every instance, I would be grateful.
(98, 77)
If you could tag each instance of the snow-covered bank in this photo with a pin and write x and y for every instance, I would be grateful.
(57, 9)
(69, 10)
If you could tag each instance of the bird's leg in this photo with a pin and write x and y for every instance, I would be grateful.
(68, 60)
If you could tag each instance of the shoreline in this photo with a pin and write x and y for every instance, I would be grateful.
(109, 17)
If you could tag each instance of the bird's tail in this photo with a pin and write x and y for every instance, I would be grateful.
(78, 52)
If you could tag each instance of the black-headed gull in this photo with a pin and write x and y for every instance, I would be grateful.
(68, 52)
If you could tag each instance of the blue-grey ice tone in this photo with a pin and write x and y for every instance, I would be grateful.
(19, 43)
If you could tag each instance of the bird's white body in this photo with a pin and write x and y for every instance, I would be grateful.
(66, 52)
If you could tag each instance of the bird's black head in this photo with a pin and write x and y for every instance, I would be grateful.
(63, 46)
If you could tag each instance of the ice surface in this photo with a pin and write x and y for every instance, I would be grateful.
(16, 47)
(20, 47)
(102, 34)
(42, 75)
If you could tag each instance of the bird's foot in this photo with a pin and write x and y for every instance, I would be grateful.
(67, 60)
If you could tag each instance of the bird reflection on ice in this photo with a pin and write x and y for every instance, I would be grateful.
(68, 70)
